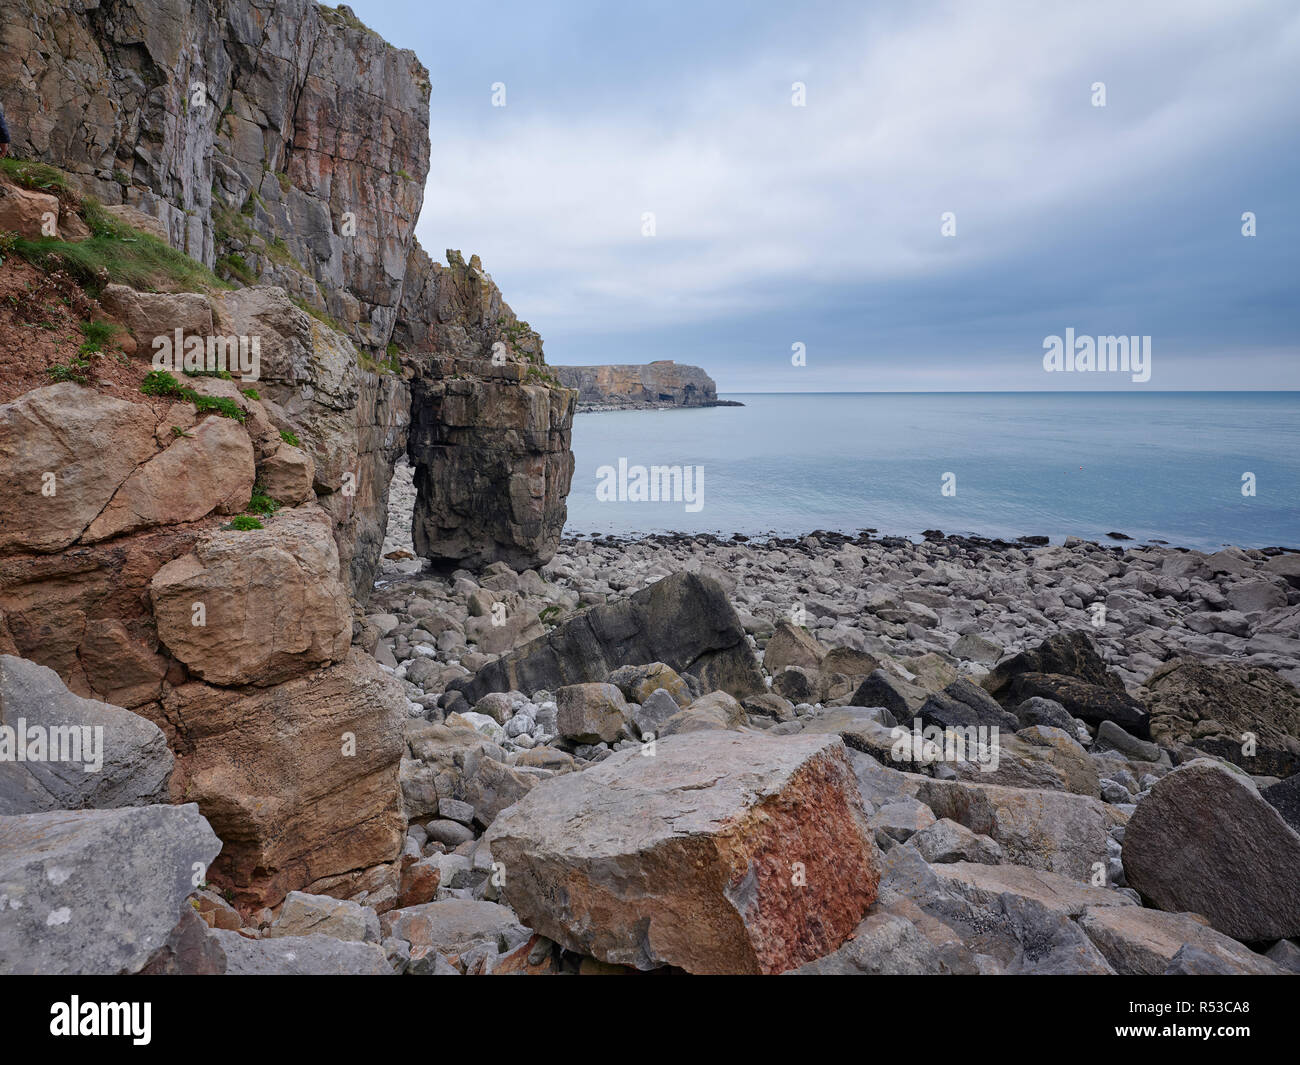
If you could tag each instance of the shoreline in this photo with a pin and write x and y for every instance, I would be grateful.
(908, 596)
(1120, 543)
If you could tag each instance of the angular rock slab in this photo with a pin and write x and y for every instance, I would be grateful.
(300, 780)
(1205, 841)
(684, 621)
(273, 603)
(1142, 942)
(96, 891)
(136, 763)
(722, 852)
(300, 956)
(1056, 831)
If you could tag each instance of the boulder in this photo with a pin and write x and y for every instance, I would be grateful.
(797, 684)
(116, 758)
(1205, 841)
(28, 213)
(693, 719)
(849, 662)
(725, 852)
(1071, 654)
(321, 915)
(273, 603)
(300, 780)
(207, 471)
(885, 688)
(994, 919)
(882, 945)
(89, 441)
(638, 683)
(790, 645)
(984, 884)
(975, 648)
(1038, 711)
(652, 714)
(683, 621)
(97, 891)
(188, 950)
(287, 474)
(932, 672)
(301, 956)
(1184, 694)
(946, 841)
(453, 926)
(1142, 942)
(591, 713)
(158, 314)
(1284, 797)
(1093, 703)
(962, 704)
(768, 705)
(1037, 757)
(1110, 737)
(492, 786)
(1056, 831)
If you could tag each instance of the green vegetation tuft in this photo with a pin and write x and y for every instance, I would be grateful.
(244, 523)
(73, 370)
(236, 266)
(162, 383)
(251, 393)
(97, 334)
(38, 177)
(290, 438)
(261, 503)
(118, 253)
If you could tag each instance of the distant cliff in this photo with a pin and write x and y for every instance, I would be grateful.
(655, 384)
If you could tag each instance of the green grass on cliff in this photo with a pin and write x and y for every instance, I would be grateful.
(116, 252)
(38, 177)
(162, 383)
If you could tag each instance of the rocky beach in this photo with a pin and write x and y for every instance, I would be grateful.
(301, 674)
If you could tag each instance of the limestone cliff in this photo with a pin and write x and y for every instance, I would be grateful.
(490, 426)
(283, 143)
(285, 146)
(278, 140)
(657, 384)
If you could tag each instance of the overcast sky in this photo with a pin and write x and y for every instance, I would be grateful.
(821, 224)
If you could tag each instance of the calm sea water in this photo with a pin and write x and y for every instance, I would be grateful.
(1152, 465)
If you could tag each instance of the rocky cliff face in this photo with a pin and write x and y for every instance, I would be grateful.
(280, 144)
(278, 140)
(283, 143)
(490, 429)
(285, 146)
(656, 384)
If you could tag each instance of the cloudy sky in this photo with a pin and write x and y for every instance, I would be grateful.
(821, 225)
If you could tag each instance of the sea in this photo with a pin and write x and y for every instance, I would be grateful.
(1192, 469)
